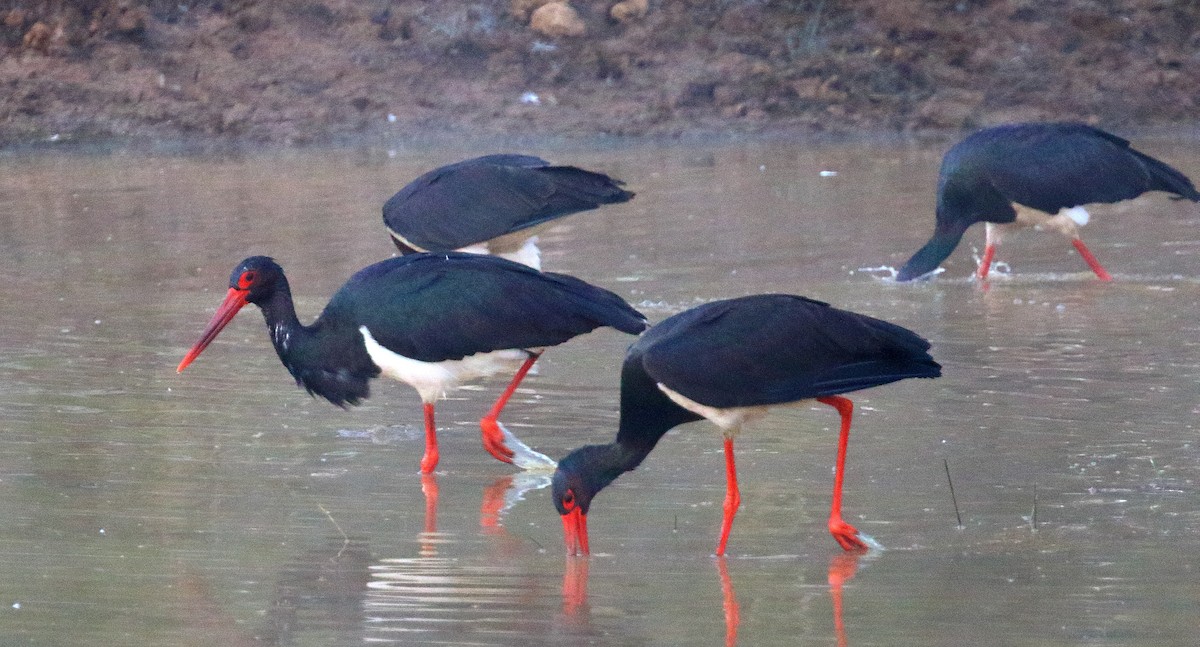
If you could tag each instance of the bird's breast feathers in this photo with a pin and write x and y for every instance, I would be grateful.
(433, 379)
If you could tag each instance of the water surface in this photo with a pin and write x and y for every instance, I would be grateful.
(225, 506)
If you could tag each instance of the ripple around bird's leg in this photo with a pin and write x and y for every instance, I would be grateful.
(524, 456)
(872, 543)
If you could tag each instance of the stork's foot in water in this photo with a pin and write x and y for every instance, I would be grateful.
(849, 537)
(502, 444)
(493, 440)
(429, 461)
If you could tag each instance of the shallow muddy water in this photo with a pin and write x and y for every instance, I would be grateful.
(225, 506)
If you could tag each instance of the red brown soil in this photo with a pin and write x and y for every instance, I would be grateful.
(318, 71)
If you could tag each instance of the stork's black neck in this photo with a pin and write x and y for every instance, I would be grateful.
(327, 360)
(945, 238)
(647, 414)
(600, 465)
(282, 324)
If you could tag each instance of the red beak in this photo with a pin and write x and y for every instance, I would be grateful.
(575, 532)
(233, 302)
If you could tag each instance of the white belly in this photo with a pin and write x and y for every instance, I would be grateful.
(517, 247)
(1066, 222)
(729, 419)
(433, 380)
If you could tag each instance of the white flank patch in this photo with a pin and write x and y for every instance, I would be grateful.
(1078, 214)
(477, 248)
(529, 254)
(730, 419)
(433, 379)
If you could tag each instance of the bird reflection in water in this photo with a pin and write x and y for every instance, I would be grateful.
(575, 585)
(842, 568)
(492, 505)
(428, 537)
(317, 591)
(498, 498)
(505, 492)
(733, 616)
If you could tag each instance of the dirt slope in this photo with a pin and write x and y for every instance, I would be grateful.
(298, 71)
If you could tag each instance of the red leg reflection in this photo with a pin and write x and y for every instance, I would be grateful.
(492, 504)
(575, 585)
(729, 602)
(429, 488)
(841, 570)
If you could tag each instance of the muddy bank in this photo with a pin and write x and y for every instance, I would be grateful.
(316, 71)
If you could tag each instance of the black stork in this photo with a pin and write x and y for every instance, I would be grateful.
(729, 361)
(432, 321)
(495, 204)
(1036, 175)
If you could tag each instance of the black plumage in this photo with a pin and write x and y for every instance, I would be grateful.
(750, 352)
(437, 307)
(1042, 166)
(772, 349)
(489, 197)
(428, 308)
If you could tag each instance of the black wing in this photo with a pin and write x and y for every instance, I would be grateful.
(482, 198)
(771, 349)
(435, 307)
(1060, 165)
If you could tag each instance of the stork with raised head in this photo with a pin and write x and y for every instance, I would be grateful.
(432, 321)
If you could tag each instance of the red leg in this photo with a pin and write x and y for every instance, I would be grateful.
(844, 533)
(430, 460)
(493, 438)
(989, 251)
(733, 498)
(1091, 260)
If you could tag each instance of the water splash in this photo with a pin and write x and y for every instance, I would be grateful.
(999, 268)
(890, 273)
